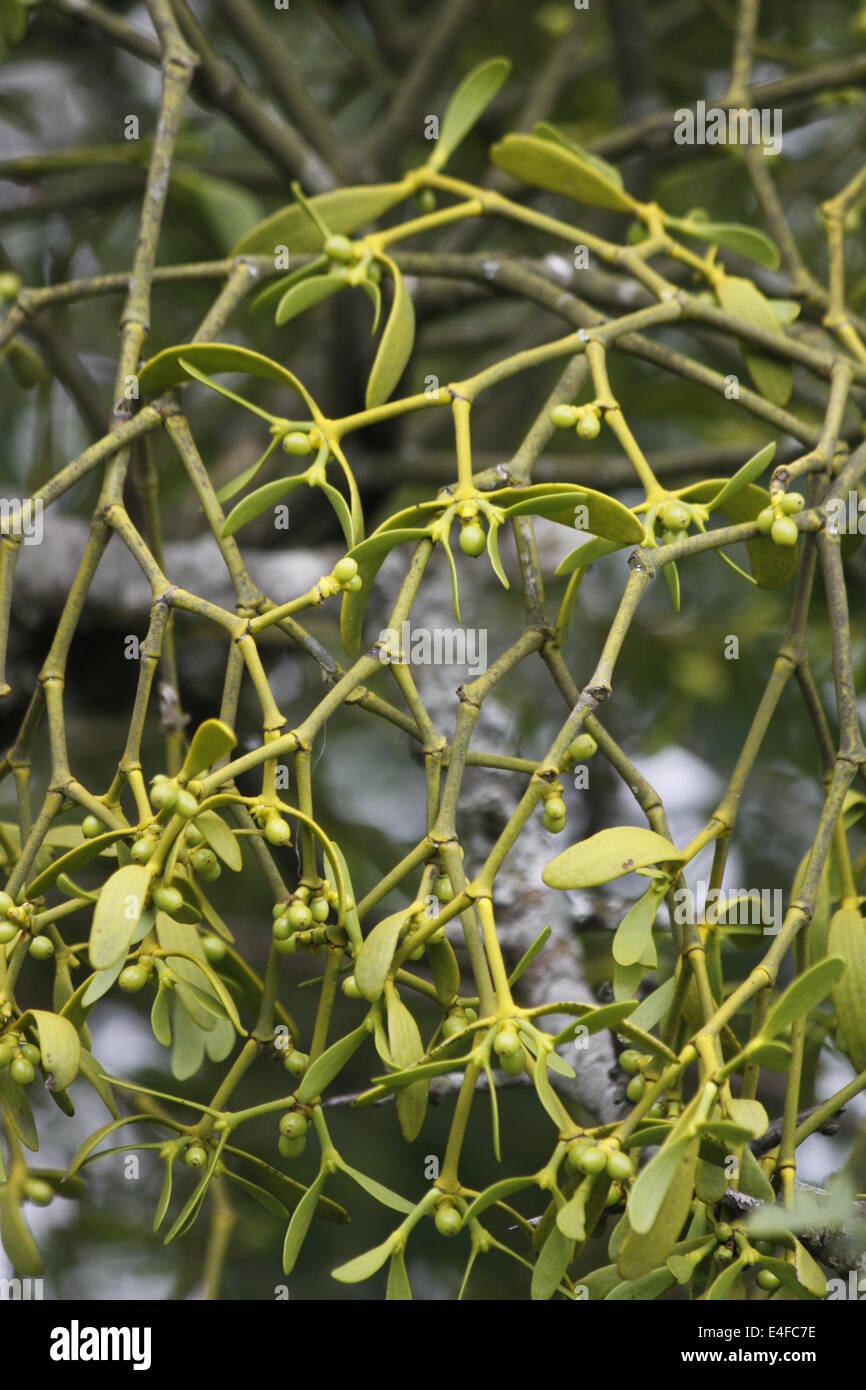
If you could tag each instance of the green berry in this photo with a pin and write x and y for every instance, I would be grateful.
(355, 585)
(195, 1155)
(39, 1191)
(41, 947)
(8, 931)
(294, 1125)
(513, 1063)
(635, 1089)
(282, 928)
(764, 520)
(185, 804)
(292, 1148)
(205, 863)
(443, 889)
(447, 1219)
(629, 1060)
(675, 516)
(299, 916)
(507, 1041)
(723, 1255)
(296, 1063)
(582, 747)
(297, 443)
(592, 1160)
(22, 1072)
(6, 1054)
(193, 836)
(723, 1232)
(573, 1153)
(472, 538)
(671, 537)
(132, 979)
(142, 849)
(163, 795)
(31, 1052)
(345, 569)
(425, 201)
(167, 899)
(277, 831)
(285, 946)
(792, 503)
(6, 904)
(339, 248)
(554, 814)
(619, 1165)
(452, 1025)
(589, 425)
(564, 417)
(350, 988)
(319, 909)
(766, 1279)
(91, 826)
(784, 531)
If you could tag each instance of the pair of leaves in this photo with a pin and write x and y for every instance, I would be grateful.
(344, 211)
(608, 855)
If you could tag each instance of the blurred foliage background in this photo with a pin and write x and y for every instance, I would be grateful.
(70, 193)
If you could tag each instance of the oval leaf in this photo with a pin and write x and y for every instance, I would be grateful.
(396, 345)
(376, 954)
(802, 996)
(545, 164)
(117, 914)
(471, 98)
(608, 855)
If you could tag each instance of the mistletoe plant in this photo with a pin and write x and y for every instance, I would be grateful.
(393, 994)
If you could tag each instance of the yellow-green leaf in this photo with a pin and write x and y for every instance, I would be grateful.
(211, 741)
(165, 369)
(607, 855)
(60, 1047)
(220, 839)
(847, 940)
(396, 344)
(117, 913)
(640, 1253)
(635, 929)
(469, 101)
(653, 1183)
(747, 242)
(803, 995)
(344, 210)
(376, 954)
(305, 294)
(545, 164)
(322, 1072)
(21, 1249)
(773, 377)
(404, 1041)
(398, 1287)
